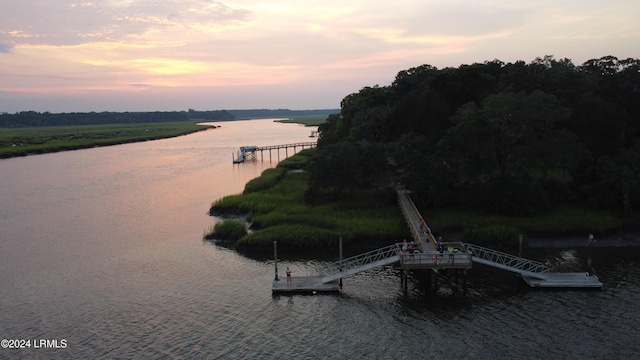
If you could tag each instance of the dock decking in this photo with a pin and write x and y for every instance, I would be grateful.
(434, 260)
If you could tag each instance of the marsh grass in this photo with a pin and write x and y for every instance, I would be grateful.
(280, 213)
(268, 179)
(565, 220)
(492, 234)
(311, 120)
(37, 140)
(228, 229)
(299, 161)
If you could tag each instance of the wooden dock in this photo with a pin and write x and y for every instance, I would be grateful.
(249, 152)
(304, 284)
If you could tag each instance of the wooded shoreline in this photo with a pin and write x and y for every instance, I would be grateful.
(274, 203)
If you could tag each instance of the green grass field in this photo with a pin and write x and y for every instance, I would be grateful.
(37, 140)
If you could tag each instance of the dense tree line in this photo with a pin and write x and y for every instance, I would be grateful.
(513, 138)
(33, 118)
(272, 113)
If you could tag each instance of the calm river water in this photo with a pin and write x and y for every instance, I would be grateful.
(102, 248)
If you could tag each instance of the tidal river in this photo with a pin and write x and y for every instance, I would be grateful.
(101, 256)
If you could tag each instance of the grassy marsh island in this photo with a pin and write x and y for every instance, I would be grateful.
(310, 120)
(37, 140)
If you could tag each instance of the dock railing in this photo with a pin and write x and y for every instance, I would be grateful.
(294, 145)
(412, 217)
(433, 258)
(506, 261)
(353, 265)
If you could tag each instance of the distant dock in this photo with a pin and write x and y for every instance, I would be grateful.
(248, 152)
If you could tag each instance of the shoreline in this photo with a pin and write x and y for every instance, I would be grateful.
(103, 143)
(619, 239)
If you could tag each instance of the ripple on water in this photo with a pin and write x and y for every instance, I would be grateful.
(131, 278)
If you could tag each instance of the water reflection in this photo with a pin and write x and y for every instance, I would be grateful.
(103, 247)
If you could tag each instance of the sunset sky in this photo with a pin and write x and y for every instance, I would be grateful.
(165, 55)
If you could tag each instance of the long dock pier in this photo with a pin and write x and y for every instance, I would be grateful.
(249, 152)
(434, 255)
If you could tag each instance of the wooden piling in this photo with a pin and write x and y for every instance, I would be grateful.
(275, 258)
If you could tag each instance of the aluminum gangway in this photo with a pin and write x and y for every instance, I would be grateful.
(534, 273)
(359, 263)
(507, 261)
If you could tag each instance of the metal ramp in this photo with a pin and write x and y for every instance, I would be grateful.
(506, 261)
(359, 263)
(534, 273)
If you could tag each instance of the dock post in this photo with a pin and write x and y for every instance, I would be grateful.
(340, 255)
(275, 258)
(520, 237)
(589, 241)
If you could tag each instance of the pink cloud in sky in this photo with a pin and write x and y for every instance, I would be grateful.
(129, 55)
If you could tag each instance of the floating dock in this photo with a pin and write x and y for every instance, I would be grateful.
(301, 284)
(564, 280)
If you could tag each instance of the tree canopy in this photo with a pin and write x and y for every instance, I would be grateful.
(501, 137)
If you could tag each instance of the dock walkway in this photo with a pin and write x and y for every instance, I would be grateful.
(429, 257)
(249, 152)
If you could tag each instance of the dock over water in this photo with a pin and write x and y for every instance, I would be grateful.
(435, 256)
(248, 152)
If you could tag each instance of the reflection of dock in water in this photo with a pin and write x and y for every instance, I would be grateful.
(249, 152)
(304, 284)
